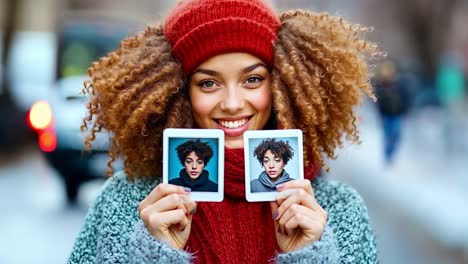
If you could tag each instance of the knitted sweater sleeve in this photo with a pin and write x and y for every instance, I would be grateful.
(144, 248)
(85, 248)
(113, 232)
(351, 224)
(348, 236)
(322, 251)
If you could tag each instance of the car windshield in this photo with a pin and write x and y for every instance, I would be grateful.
(84, 40)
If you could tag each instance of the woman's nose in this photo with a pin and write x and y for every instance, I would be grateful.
(233, 100)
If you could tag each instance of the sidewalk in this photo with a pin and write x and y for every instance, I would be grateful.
(424, 185)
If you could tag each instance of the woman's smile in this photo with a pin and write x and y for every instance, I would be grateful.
(235, 123)
(234, 127)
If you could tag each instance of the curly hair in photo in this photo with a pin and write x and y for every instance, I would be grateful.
(202, 149)
(320, 74)
(278, 148)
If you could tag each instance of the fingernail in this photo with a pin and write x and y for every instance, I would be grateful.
(192, 212)
(280, 187)
(274, 215)
(187, 189)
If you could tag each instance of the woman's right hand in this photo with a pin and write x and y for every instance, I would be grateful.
(167, 213)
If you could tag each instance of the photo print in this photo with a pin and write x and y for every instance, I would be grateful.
(194, 158)
(272, 157)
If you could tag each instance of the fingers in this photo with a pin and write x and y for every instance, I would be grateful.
(167, 200)
(296, 195)
(300, 183)
(162, 221)
(160, 191)
(299, 196)
(296, 207)
(170, 202)
(299, 216)
(274, 209)
(173, 211)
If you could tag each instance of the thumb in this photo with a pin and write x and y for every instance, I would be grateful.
(274, 209)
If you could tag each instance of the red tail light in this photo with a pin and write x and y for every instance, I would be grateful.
(47, 141)
(40, 119)
(40, 115)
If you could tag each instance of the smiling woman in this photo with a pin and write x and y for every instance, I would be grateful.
(235, 66)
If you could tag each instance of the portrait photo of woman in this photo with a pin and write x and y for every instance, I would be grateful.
(273, 156)
(194, 155)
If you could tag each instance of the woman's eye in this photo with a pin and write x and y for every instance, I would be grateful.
(207, 84)
(254, 79)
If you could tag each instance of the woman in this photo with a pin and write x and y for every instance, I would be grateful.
(273, 156)
(194, 155)
(233, 65)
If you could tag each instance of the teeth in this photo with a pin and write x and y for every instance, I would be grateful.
(233, 124)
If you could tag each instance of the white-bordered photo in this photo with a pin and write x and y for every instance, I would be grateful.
(271, 157)
(194, 158)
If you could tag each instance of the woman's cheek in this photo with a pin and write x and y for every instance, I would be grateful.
(263, 100)
(202, 106)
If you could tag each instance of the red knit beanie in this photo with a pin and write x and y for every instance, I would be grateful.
(201, 29)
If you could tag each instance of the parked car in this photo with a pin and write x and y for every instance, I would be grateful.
(31, 67)
(14, 132)
(81, 40)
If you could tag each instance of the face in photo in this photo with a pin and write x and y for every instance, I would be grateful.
(194, 165)
(273, 164)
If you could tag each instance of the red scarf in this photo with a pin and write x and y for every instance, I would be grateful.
(234, 230)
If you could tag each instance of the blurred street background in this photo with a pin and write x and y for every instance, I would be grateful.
(411, 167)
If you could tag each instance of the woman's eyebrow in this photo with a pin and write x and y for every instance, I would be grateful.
(245, 70)
(208, 72)
(253, 67)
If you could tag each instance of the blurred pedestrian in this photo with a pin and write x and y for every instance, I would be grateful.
(450, 88)
(392, 103)
(233, 65)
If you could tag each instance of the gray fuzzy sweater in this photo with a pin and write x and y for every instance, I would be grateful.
(114, 233)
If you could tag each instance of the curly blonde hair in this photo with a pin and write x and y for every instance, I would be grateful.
(319, 75)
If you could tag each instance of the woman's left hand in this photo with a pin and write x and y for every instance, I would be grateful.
(299, 219)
